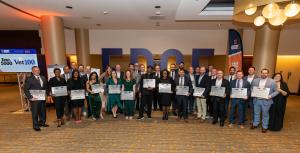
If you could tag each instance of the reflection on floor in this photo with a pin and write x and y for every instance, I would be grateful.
(120, 135)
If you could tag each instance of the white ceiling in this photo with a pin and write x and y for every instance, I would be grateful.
(122, 14)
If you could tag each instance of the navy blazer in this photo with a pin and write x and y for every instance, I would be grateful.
(225, 83)
(31, 83)
(246, 84)
(204, 83)
(187, 82)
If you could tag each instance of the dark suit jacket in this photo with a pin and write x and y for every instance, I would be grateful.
(225, 83)
(246, 84)
(121, 75)
(145, 91)
(31, 83)
(187, 82)
(204, 83)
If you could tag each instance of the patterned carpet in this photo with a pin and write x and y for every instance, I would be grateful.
(120, 135)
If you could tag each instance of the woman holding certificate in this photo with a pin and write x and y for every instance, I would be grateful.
(277, 109)
(114, 90)
(57, 88)
(93, 88)
(129, 87)
(166, 87)
(76, 88)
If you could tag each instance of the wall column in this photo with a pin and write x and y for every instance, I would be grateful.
(82, 46)
(266, 47)
(54, 40)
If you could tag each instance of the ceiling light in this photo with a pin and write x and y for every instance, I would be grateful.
(270, 10)
(157, 13)
(279, 19)
(105, 12)
(69, 7)
(259, 21)
(251, 11)
(292, 9)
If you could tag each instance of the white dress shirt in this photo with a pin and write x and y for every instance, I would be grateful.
(262, 82)
(181, 81)
(39, 78)
(219, 82)
(250, 78)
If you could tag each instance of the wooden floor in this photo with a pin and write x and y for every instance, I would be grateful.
(120, 135)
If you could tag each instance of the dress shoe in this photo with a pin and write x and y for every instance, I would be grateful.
(44, 125)
(214, 122)
(36, 129)
(253, 127)
(264, 130)
(222, 124)
(186, 120)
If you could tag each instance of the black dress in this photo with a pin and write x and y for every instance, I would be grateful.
(277, 109)
(166, 97)
(76, 85)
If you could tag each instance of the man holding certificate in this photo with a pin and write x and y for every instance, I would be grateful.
(184, 89)
(202, 82)
(240, 92)
(147, 87)
(263, 89)
(33, 84)
(220, 88)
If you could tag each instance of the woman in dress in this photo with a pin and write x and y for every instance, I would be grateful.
(104, 78)
(59, 101)
(114, 101)
(166, 97)
(128, 85)
(76, 83)
(277, 109)
(94, 98)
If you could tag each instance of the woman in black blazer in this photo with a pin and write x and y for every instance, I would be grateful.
(59, 101)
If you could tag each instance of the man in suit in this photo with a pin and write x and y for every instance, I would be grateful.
(139, 73)
(249, 102)
(202, 81)
(219, 102)
(85, 78)
(209, 102)
(120, 73)
(73, 67)
(191, 99)
(262, 105)
(38, 108)
(146, 94)
(181, 67)
(230, 78)
(156, 98)
(181, 100)
(238, 102)
(173, 75)
(67, 75)
(209, 70)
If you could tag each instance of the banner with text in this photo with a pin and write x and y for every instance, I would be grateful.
(235, 50)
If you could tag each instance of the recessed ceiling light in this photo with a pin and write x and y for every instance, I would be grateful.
(157, 13)
(87, 17)
(98, 24)
(105, 12)
(69, 7)
(157, 6)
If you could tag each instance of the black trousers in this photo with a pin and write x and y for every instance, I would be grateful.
(174, 103)
(182, 105)
(146, 101)
(209, 105)
(59, 106)
(156, 101)
(137, 101)
(38, 112)
(219, 108)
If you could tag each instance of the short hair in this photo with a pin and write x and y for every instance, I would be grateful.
(251, 67)
(181, 62)
(173, 64)
(231, 67)
(239, 71)
(265, 69)
(81, 65)
(130, 64)
(149, 66)
(56, 69)
(66, 66)
(34, 67)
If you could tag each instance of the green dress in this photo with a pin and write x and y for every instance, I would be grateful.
(113, 99)
(95, 103)
(129, 104)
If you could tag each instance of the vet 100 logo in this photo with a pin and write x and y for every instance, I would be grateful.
(7, 61)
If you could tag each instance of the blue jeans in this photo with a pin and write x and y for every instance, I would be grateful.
(240, 103)
(261, 106)
(191, 103)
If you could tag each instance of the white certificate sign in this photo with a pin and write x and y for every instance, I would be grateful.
(217, 91)
(260, 92)
(149, 83)
(198, 92)
(164, 88)
(127, 95)
(59, 91)
(239, 93)
(38, 94)
(114, 89)
(77, 94)
(97, 88)
(182, 90)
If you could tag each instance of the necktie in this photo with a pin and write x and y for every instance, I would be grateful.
(38, 78)
(230, 78)
(181, 81)
(238, 84)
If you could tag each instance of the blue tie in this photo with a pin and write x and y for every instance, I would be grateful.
(238, 84)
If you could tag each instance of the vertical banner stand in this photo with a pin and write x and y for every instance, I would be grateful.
(20, 91)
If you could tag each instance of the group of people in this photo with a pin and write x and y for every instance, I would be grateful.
(181, 86)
